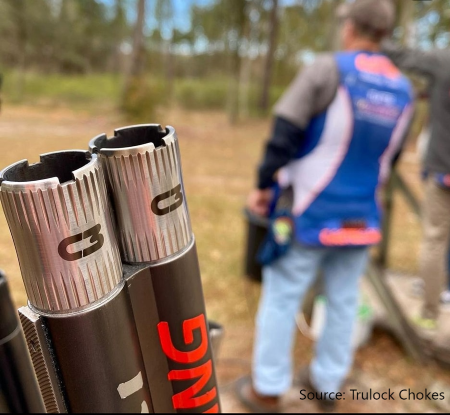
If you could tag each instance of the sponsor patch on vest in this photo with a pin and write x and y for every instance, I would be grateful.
(377, 65)
(349, 236)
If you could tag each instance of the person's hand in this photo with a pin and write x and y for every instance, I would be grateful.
(258, 201)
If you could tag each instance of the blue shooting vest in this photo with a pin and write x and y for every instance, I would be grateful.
(347, 152)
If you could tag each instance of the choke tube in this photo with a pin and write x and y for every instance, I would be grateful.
(143, 170)
(19, 392)
(78, 323)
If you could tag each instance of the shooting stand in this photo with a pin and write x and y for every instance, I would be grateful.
(394, 290)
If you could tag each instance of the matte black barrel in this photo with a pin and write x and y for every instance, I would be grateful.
(19, 392)
(99, 359)
(170, 316)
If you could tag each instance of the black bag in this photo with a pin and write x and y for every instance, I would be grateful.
(257, 231)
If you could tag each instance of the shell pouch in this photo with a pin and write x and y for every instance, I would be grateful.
(280, 232)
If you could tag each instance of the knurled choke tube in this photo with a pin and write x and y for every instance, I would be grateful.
(51, 216)
(79, 312)
(143, 171)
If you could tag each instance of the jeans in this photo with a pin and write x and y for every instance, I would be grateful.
(285, 283)
(435, 243)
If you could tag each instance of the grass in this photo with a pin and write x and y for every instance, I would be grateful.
(212, 93)
(74, 91)
(100, 91)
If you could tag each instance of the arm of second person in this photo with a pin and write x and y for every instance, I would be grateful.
(309, 94)
(422, 62)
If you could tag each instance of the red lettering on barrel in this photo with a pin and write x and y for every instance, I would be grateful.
(185, 399)
(188, 399)
(196, 323)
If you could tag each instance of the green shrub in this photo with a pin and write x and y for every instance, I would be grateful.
(201, 93)
(142, 98)
(74, 89)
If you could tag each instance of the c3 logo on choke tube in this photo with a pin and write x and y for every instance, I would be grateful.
(95, 238)
(187, 398)
(176, 191)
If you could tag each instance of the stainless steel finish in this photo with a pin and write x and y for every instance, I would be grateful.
(143, 169)
(42, 362)
(59, 217)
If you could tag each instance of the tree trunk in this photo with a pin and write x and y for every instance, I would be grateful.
(164, 16)
(245, 73)
(170, 69)
(135, 67)
(334, 39)
(268, 67)
(238, 25)
(244, 93)
(233, 92)
(115, 60)
(170, 57)
(406, 21)
(19, 9)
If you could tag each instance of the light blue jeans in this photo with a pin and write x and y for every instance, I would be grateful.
(285, 283)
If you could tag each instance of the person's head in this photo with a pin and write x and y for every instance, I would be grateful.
(366, 23)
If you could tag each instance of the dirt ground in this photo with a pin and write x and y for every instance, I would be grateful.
(218, 166)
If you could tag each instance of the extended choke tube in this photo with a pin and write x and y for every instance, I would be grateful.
(143, 170)
(79, 323)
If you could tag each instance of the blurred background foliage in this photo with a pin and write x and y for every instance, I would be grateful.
(235, 55)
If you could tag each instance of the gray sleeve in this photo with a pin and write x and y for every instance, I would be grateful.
(428, 63)
(310, 93)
